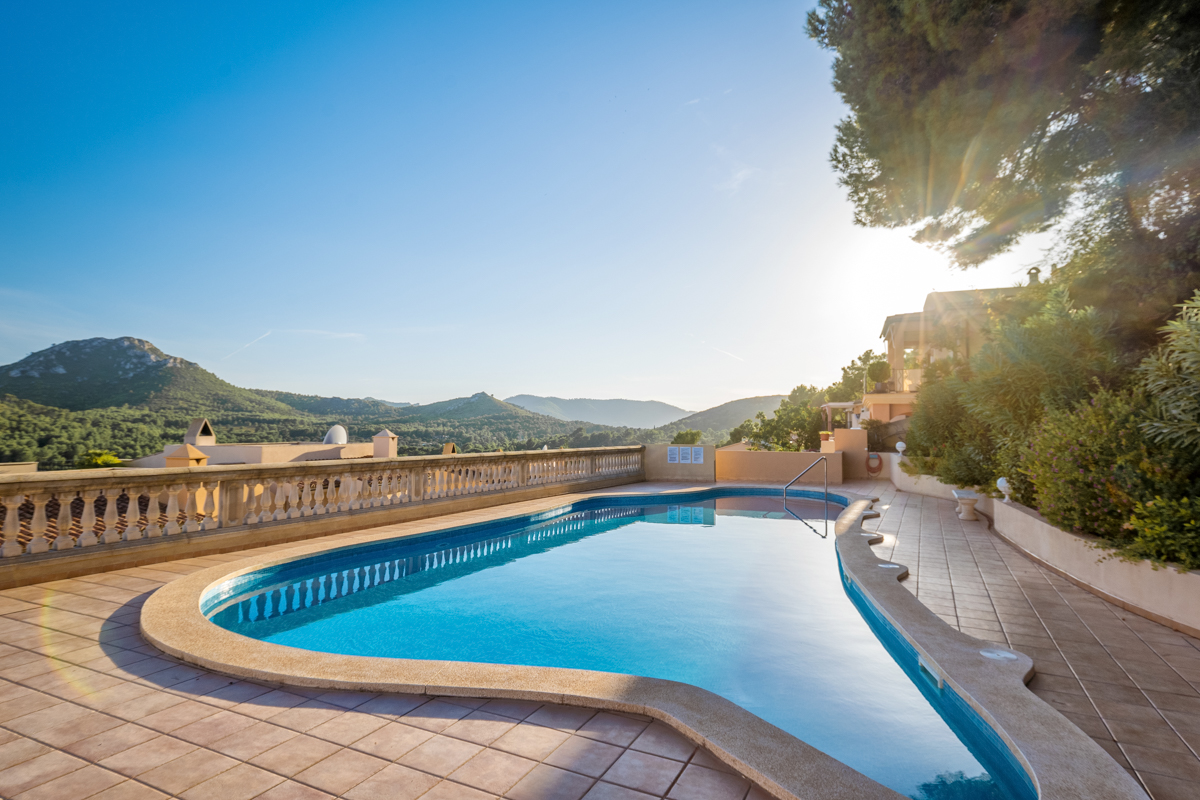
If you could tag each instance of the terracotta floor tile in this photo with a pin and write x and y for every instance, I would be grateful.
(703, 758)
(306, 716)
(1158, 735)
(644, 772)
(147, 755)
(610, 791)
(440, 755)
(1163, 762)
(18, 750)
(393, 705)
(699, 783)
(612, 729)
(103, 744)
(348, 728)
(290, 790)
(660, 740)
(586, 756)
(545, 782)
(393, 782)
(436, 715)
(480, 727)
(493, 771)
(241, 782)
(565, 718)
(341, 772)
(36, 771)
(129, 790)
(392, 741)
(347, 700)
(295, 755)
(83, 782)
(531, 741)
(447, 790)
(187, 771)
(513, 709)
(1162, 787)
(214, 728)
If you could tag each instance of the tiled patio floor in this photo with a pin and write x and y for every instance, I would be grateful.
(1133, 685)
(90, 710)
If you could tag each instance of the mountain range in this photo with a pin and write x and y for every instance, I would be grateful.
(129, 396)
(620, 413)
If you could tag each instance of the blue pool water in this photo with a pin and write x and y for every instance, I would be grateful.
(730, 593)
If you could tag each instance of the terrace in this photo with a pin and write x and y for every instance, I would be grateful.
(91, 706)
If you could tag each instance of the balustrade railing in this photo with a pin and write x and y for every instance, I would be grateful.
(48, 511)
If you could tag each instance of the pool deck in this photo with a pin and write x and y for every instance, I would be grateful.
(89, 709)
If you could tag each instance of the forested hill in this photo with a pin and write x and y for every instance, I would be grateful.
(627, 413)
(727, 415)
(127, 396)
(107, 373)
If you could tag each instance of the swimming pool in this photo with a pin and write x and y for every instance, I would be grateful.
(723, 589)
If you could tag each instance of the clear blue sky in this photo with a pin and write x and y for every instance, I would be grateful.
(421, 200)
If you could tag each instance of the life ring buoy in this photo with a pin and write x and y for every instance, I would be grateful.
(874, 464)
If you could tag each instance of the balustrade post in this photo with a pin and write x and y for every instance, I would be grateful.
(38, 526)
(87, 520)
(153, 512)
(190, 509)
(12, 526)
(281, 497)
(62, 527)
(172, 526)
(110, 533)
(343, 495)
(294, 511)
(210, 521)
(307, 501)
(132, 515)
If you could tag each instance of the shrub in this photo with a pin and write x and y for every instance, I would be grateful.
(1080, 463)
(687, 437)
(1166, 530)
(946, 441)
(879, 371)
(1171, 376)
(95, 459)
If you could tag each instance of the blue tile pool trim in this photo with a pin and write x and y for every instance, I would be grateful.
(448, 537)
(980, 737)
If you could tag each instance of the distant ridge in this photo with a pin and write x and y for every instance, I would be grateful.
(728, 415)
(618, 413)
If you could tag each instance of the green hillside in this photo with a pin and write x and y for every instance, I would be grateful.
(127, 396)
(621, 413)
(107, 373)
(718, 420)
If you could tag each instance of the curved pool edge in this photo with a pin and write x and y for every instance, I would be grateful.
(780, 763)
(1061, 760)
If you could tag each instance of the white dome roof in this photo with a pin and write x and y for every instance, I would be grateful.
(337, 435)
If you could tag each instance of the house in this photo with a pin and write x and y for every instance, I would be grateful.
(951, 323)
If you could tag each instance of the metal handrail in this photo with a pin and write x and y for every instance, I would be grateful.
(821, 460)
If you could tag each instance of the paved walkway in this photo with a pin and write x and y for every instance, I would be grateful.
(88, 709)
(1133, 685)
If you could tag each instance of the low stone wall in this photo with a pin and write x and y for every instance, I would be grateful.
(659, 468)
(776, 467)
(1164, 595)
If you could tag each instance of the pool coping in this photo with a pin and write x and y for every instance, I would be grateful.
(1061, 760)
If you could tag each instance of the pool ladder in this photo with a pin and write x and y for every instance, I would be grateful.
(825, 462)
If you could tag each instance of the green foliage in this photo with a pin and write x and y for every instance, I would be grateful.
(1081, 463)
(687, 437)
(1167, 530)
(878, 372)
(1171, 377)
(795, 426)
(982, 122)
(95, 459)
(850, 387)
(945, 440)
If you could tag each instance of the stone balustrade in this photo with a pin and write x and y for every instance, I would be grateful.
(53, 512)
